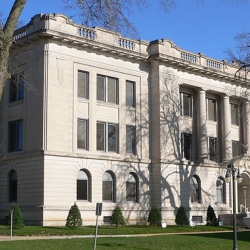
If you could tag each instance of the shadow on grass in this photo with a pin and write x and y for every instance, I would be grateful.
(241, 235)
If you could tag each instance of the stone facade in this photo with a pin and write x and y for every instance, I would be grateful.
(103, 118)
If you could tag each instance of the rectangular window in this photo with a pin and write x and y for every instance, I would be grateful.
(82, 134)
(107, 137)
(211, 109)
(130, 94)
(235, 148)
(186, 104)
(107, 89)
(16, 87)
(15, 132)
(130, 140)
(83, 84)
(186, 144)
(234, 114)
(212, 149)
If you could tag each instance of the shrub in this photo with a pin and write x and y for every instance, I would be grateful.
(74, 219)
(181, 217)
(211, 217)
(154, 216)
(117, 217)
(17, 219)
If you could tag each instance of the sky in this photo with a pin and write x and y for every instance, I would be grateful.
(206, 27)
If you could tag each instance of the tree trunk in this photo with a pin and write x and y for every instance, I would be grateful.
(6, 40)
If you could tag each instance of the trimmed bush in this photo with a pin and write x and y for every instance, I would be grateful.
(211, 217)
(74, 219)
(117, 217)
(181, 217)
(154, 216)
(17, 219)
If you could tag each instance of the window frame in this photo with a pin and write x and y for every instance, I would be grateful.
(195, 189)
(131, 140)
(130, 101)
(16, 87)
(134, 197)
(186, 111)
(210, 156)
(214, 114)
(221, 192)
(15, 135)
(13, 186)
(83, 183)
(112, 186)
(106, 139)
(81, 87)
(234, 114)
(106, 89)
(85, 147)
(183, 145)
(238, 148)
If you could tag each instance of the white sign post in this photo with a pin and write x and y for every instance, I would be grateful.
(98, 212)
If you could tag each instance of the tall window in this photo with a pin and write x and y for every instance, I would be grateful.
(108, 187)
(130, 94)
(83, 84)
(130, 140)
(186, 101)
(82, 133)
(186, 145)
(234, 114)
(220, 190)
(15, 132)
(195, 187)
(12, 186)
(107, 89)
(211, 109)
(83, 185)
(16, 88)
(212, 149)
(107, 137)
(235, 148)
(132, 188)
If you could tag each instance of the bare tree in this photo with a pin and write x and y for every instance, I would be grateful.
(6, 40)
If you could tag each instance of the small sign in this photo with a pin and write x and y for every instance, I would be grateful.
(98, 210)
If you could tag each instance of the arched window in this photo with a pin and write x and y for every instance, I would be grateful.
(12, 186)
(195, 187)
(220, 190)
(83, 185)
(132, 188)
(108, 187)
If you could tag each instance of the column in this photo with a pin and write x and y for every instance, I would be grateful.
(226, 130)
(247, 127)
(202, 130)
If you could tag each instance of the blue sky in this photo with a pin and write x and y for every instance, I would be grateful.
(208, 27)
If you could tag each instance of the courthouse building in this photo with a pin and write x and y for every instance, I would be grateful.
(89, 116)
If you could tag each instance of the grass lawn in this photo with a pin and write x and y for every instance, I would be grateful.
(199, 241)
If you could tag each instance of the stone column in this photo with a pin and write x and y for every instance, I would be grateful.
(226, 130)
(247, 127)
(202, 130)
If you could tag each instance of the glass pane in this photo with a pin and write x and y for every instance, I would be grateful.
(100, 136)
(187, 105)
(211, 109)
(130, 94)
(13, 89)
(235, 148)
(107, 190)
(111, 90)
(212, 149)
(100, 88)
(12, 136)
(219, 191)
(112, 138)
(20, 135)
(130, 191)
(234, 114)
(194, 190)
(20, 87)
(82, 84)
(82, 190)
(130, 139)
(187, 146)
(81, 134)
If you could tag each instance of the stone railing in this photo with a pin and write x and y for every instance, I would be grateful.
(127, 44)
(19, 34)
(87, 33)
(189, 57)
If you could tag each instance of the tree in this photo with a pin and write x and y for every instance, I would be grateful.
(74, 219)
(17, 218)
(154, 216)
(181, 217)
(211, 217)
(117, 217)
